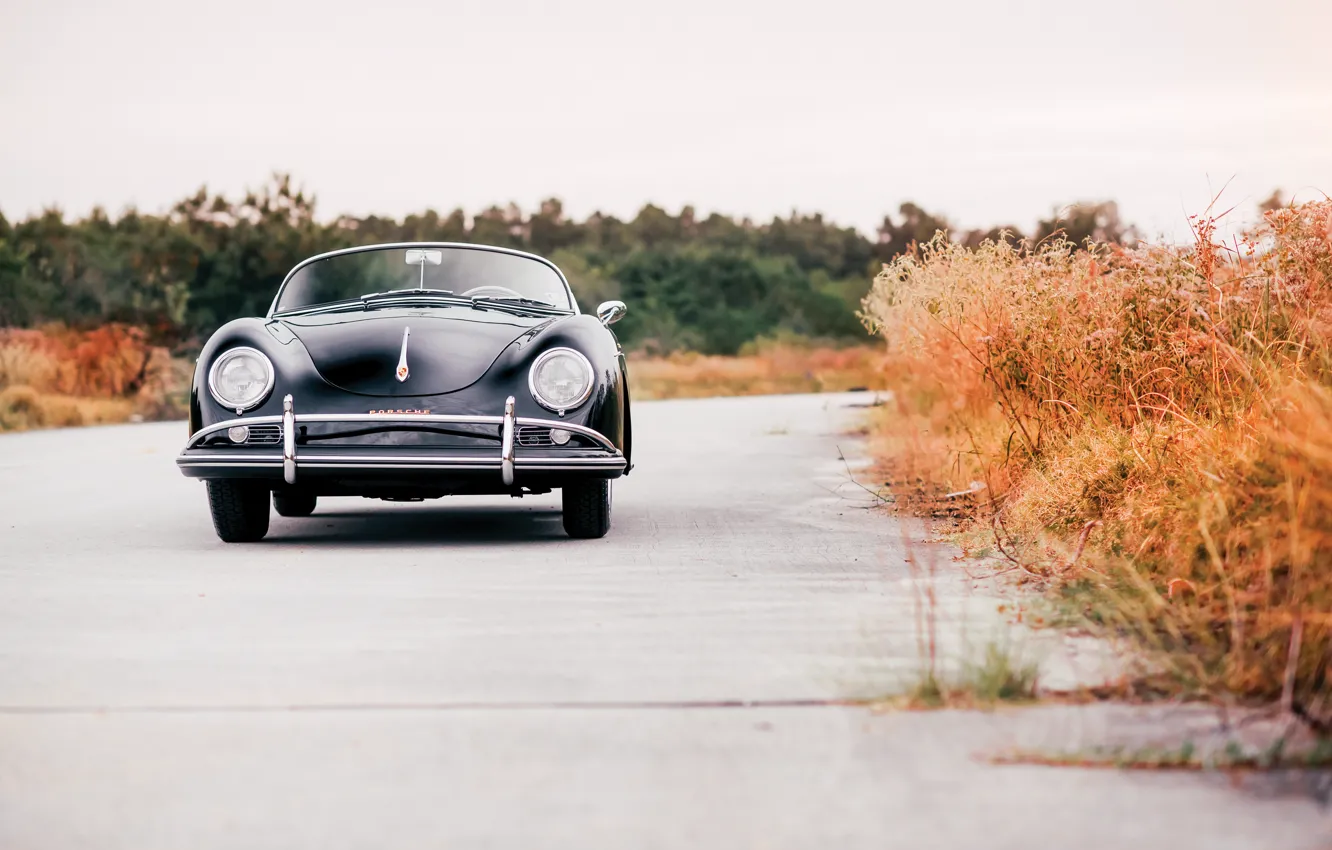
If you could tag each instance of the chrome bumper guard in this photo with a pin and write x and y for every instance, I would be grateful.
(507, 463)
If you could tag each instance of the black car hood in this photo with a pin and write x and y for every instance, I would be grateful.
(448, 348)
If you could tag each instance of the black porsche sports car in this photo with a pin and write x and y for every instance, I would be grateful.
(408, 372)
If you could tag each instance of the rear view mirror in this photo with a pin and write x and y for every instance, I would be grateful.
(610, 312)
(423, 257)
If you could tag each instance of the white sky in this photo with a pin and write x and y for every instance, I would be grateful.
(990, 111)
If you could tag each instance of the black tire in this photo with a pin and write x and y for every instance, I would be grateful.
(294, 502)
(587, 508)
(240, 510)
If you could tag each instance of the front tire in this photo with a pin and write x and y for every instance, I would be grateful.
(587, 508)
(294, 503)
(239, 509)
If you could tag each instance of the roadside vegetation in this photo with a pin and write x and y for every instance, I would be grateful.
(1146, 431)
(998, 676)
(765, 367)
(57, 377)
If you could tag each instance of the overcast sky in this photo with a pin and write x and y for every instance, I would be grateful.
(990, 111)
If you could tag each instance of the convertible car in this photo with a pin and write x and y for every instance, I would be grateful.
(408, 372)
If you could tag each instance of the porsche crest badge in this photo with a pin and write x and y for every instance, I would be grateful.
(402, 357)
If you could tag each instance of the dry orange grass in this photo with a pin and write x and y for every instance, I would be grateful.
(56, 377)
(766, 369)
(1153, 425)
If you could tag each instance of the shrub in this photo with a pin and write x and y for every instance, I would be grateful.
(56, 377)
(21, 408)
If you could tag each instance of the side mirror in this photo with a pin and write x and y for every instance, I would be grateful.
(610, 312)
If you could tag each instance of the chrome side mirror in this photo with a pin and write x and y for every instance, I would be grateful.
(610, 312)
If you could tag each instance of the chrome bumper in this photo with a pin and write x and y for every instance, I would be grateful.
(508, 463)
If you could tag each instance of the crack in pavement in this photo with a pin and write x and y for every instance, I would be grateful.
(558, 705)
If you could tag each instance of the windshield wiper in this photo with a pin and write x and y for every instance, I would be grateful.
(373, 299)
(511, 299)
(400, 293)
(395, 296)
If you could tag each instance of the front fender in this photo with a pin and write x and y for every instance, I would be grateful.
(294, 371)
(605, 410)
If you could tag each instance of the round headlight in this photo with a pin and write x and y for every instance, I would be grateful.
(241, 378)
(561, 379)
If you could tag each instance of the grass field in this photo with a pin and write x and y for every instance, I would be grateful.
(788, 367)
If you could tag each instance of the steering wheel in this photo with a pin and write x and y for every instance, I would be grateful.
(489, 289)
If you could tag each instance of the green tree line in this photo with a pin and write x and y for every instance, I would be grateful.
(709, 284)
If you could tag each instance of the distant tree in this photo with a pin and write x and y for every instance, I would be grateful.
(243, 251)
(499, 226)
(591, 283)
(606, 234)
(653, 227)
(1083, 222)
(723, 232)
(550, 230)
(430, 227)
(916, 227)
(715, 301)
(816, 244)
(16, 297)
(1009, 233)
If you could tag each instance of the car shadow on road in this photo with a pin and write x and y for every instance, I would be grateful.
(413, 526)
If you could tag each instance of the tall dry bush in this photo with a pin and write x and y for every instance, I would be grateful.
(1165, 411)
(59, 376)
(106, 362)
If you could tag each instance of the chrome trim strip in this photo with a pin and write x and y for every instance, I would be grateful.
(431, 462)
(506, 444)
(570, 462)
(438, 419)
(288, 440)
(561, 466)
(591, 434)
(249, 463)
(359, 248)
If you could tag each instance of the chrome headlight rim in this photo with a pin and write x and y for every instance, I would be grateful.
(221, 359)
(536, 367)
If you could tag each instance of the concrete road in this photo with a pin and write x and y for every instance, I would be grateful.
(459, 674)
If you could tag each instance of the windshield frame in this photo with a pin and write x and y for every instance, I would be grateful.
(389, 245)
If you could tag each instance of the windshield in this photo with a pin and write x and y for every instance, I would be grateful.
(464, 272)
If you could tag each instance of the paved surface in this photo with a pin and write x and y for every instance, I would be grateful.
(459, 674)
